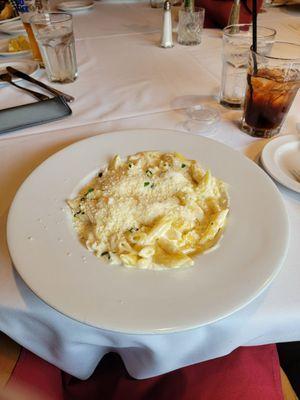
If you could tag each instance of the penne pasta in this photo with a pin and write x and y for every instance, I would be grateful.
(146, 252)
(151, 210)
(159, 229)
(216, 222)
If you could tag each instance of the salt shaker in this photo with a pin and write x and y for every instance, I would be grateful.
(166, 38)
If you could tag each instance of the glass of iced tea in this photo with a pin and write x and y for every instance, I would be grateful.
(36, 54)
(26, 9)
(272, 83)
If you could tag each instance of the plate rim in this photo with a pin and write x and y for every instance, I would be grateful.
(7, 21)
(12, 54)
(26, 61)
(79, 8)
(12, 32)
(233, 310)
(268, 163)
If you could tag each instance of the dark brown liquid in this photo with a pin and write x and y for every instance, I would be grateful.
(268, 100)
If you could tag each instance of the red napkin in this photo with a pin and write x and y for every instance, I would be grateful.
(247, 373)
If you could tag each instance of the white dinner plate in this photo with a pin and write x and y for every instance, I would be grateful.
(280, 156)
(5, 53)
(13, 28)
(46, 252)
(75, 5)
(7, 21)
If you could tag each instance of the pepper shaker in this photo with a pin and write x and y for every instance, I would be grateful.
(166, 38)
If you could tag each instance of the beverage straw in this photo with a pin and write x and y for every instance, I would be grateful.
(254, 49)
(254, 33)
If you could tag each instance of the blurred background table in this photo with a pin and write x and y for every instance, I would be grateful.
(127, 81)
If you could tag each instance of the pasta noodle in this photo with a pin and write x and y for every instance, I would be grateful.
(151, 210)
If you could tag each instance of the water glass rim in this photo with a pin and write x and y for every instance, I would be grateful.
(36, 19)
(297, 59)
(272, 31)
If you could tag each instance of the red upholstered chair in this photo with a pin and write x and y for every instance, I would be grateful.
(247, 373)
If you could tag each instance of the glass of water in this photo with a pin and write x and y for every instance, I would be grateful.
(54, 34)
(190, 26)
(237, 40)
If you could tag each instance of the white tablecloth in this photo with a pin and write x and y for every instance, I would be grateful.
(127, 81)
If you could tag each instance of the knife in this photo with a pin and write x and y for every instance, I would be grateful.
(8, 78)
(28, 78)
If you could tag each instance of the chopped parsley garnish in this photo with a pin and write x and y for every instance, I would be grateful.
(152, 186)
(146, 183)
(183, 165)
(100, 174)
(149, 173)
(78, 212)
(89, 191)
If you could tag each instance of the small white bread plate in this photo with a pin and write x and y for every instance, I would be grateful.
(75, 5)
(30, 67)
(7, 21)
(5, 53)
(47, 254)
(13, 28)
(280, 157)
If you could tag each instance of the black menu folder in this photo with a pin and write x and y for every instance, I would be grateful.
(41, 112)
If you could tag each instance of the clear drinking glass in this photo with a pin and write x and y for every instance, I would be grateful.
(54, 33)
(237, 40)
(272, 83)
(190, 26)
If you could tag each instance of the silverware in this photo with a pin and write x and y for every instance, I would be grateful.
(296, 174)
(28, 78)
(8, 78)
